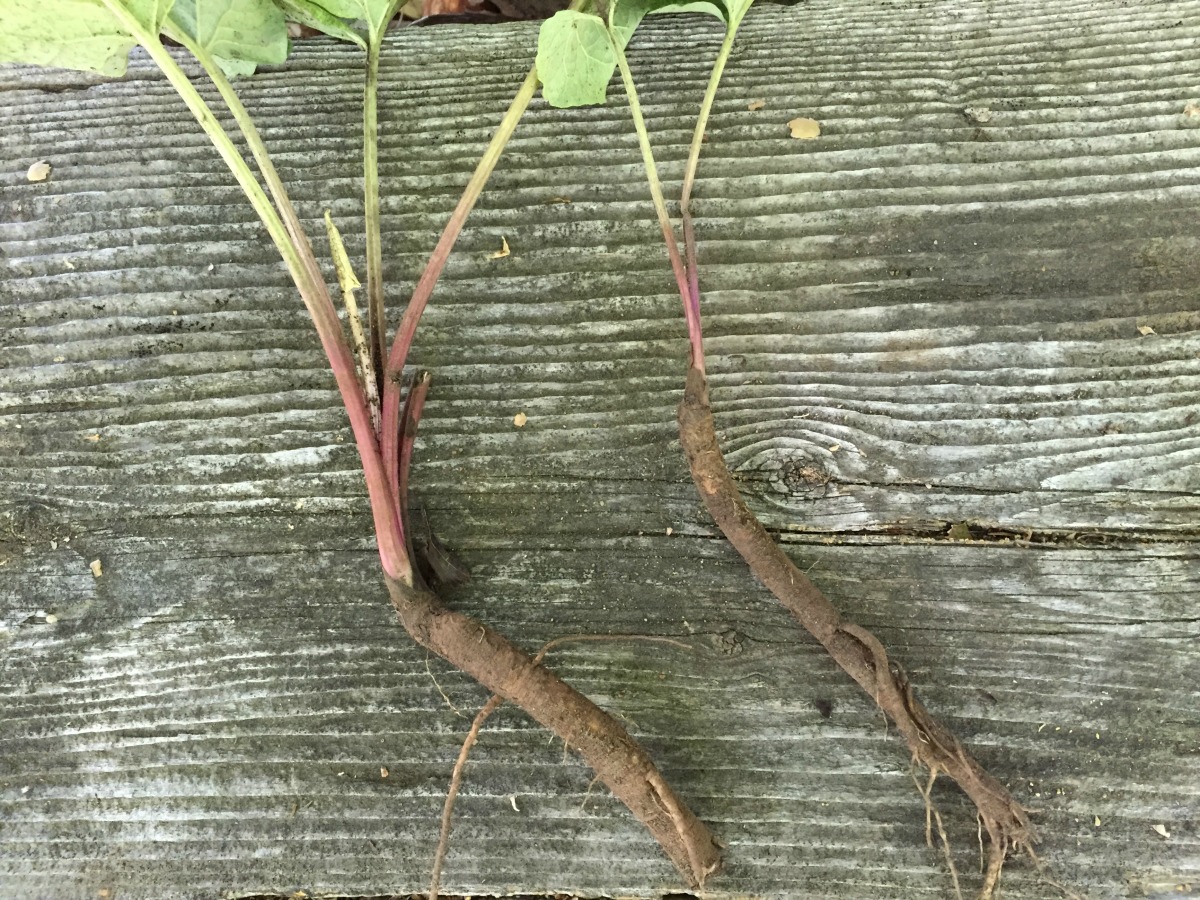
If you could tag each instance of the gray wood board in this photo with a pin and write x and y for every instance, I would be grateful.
(923, 326)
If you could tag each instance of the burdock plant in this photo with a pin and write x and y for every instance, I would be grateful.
(230, 38)
(600, 38)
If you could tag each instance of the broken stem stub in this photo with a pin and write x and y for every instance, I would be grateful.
(618, 760)
(853, 647)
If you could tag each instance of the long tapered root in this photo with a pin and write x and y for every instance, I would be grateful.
(618, 760)
(1004, 821)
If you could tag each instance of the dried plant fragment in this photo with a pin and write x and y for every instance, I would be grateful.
(39, 171)
(502, 252)
(805, 129)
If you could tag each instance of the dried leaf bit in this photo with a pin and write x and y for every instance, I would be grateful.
(805, 129)
(502, 252)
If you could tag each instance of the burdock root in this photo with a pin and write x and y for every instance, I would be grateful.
(854, 648)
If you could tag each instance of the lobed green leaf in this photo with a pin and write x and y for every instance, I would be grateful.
(240, 34)
(75, 34)
(575, 59)
(316, 16)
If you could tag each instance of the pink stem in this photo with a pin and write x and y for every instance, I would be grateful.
(413, 407)
(284, 227)
(388, 529)
(691, 300)
(398, 356)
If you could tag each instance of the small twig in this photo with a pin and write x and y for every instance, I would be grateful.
(979, 836)
(607, 639)
(587, 794)
(991, 877)
(949, 858)
(928, 803)
(1054, 883)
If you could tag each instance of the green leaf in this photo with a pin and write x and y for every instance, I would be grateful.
(737, 9)
(316, 16)
(376, 13)
(696, 6)
(728, 11)
(343, 9)
(575, 59)
(632, 11)
(628, 14)
(626, 17)
(240, 34)
(75, 34)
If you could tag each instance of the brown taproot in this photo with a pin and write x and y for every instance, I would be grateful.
(853, 647)
(619, 762)
(495, 702)
(509, 672)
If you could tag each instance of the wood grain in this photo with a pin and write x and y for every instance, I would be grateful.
(949, 297)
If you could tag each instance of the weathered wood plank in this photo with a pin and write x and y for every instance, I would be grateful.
(953, 303)
(194, 684)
